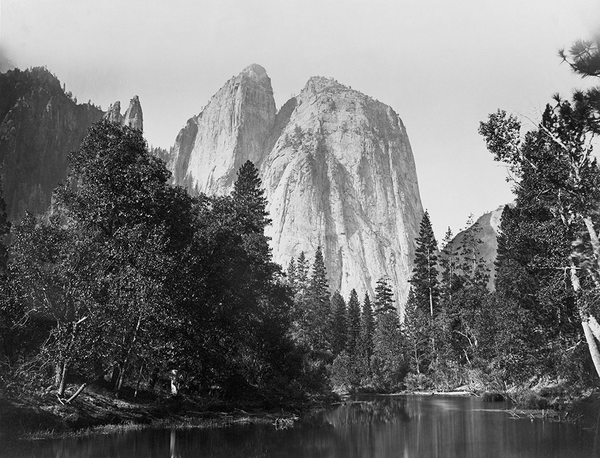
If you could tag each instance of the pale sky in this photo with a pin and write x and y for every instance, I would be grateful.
(441, 65)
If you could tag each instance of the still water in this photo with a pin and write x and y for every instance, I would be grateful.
(398, 426)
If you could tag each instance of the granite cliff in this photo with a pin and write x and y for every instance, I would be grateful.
(336, 165)
(40, 124)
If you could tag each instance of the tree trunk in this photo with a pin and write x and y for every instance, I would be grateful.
(593, 239)
(592, 345)
(594, 326)
(174, 384)
(585, 320)
(63, 379)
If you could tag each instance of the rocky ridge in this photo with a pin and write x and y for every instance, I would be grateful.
(40, 123)
(336, 165)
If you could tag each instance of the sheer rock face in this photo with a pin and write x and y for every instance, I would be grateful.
(337, 168)
(231, 129)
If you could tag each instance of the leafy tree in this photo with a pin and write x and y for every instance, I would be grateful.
(556, 161)
(118, 205)
(534, 309)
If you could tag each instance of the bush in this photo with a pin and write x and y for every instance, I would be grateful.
(418, 382)
(528, 399)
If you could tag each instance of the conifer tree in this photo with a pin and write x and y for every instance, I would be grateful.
(302, 271)
(367, 329)
(449, 267)
(384, 297)
(319, 305)
(292, 275)
(388, 363)
(339, 327)
(417, 332)
(353, 323)
(425, 271)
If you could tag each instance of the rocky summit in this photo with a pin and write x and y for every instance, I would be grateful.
(133, 117)
(336, 165)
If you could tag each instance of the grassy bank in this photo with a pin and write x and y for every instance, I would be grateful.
(33, 415)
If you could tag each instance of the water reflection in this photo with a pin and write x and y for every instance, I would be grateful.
(404, 426)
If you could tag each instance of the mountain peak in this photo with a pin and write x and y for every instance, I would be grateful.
(133, 116)
(255, 71)
(322, 84)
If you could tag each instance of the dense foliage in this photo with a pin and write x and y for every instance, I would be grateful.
(129, 280)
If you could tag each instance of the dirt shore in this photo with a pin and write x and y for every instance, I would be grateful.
(95, 410)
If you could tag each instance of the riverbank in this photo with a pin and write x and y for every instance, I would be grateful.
(34, 415)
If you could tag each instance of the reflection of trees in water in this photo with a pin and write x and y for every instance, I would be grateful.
(371, 412)
(383, 427)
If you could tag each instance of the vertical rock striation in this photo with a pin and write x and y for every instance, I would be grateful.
(231, 129)
(336, 165)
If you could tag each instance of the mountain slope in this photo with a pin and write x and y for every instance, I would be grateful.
(39, 125)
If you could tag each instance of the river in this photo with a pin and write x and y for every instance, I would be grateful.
(381, 427)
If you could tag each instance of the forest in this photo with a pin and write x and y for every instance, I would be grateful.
(130, 283)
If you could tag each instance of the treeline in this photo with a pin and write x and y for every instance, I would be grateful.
(540, 322)
(129, 281)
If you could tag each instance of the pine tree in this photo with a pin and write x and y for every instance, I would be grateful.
(302, 271)
(367, 329)
(449, 267)
(250, 200)
(339, 325)
(425, 271)
(318, 305)
(417, 332)
(292, 279)
(353, 324)
(384, 297)
(388, 363)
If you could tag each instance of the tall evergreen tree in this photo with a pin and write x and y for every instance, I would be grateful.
(353, 323)
(449, 261)
(367, 329)
(292, 276)
(339, 324)
(318, 304)
(388, 363)
(424, 277)
(384, 297)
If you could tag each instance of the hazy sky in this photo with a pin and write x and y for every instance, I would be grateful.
(442, 65)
